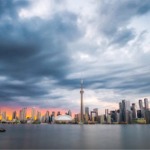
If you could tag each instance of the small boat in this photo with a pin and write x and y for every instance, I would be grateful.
(2, 130)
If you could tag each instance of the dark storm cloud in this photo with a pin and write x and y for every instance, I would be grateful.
(9, 8)
(41, 51)
(24, 89)
(115, 15)
(35, 57)
(33, 49)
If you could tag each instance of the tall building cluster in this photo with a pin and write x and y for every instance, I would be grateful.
(35, 116)
(130, 114)
(126, 114)
(88, 115)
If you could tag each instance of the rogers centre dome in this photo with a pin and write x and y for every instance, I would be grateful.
(63, 118)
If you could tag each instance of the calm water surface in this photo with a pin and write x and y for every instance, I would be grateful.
(75, 137)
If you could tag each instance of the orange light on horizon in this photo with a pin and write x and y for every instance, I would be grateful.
(10, 110)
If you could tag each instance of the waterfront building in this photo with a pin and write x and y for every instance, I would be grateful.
(106, 112)
(101, 119)
(87, 111)
(108, 121)
(4, 117)
(14, 115)
(69, 113)
(23, 114)
(53, 113)
(95, 116)
(140, 104)
(125, 111)
(47, 120)
(52, 119)
(134, 111)
(43, 119)
(77, 118)
(139, 114)
(33, 113)
(114, 116)
(147, 116)
(38, 117)
(96, 113)
(86, 118)
(87, 114)
(120, 112)
(130, 117)
(58, 113)
(112, 113)
(20, 115)
(117, 116)
(141, 108)
(63, 119)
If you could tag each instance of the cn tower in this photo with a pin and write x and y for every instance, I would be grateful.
(81, 111)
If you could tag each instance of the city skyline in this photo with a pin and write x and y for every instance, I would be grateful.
(135, 107)
(47, 46)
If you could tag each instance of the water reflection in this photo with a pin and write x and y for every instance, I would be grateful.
(75, 137)
(135, 136)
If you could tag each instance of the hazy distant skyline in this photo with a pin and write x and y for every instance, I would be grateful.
(47, 46)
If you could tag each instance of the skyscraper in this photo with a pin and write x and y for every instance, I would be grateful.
(81, 92)
(134, 111)
(140, 104)
(95, 116)
(87, 111)
(47, 117)
(146, 103)
(23, 114)
(52, 117)
(33, 113)
(4, 117)
(125, 111)
(96, 111)
(53, 113)
(69, 113)
(106, 115)
(141, 108)
(58, 113)
(146, 111)
(86, 116)
(38, 117)
(14, 115)
(106, 112)
(120, 112)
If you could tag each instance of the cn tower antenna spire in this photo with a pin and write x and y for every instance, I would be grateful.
(81, 83)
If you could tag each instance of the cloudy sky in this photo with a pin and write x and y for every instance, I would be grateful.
(47, 46)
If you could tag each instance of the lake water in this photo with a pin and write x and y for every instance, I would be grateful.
(75, 137)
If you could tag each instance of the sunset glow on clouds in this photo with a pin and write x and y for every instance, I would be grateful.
(47, 46)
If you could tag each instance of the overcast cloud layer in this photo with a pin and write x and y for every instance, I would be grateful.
(47, 46)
